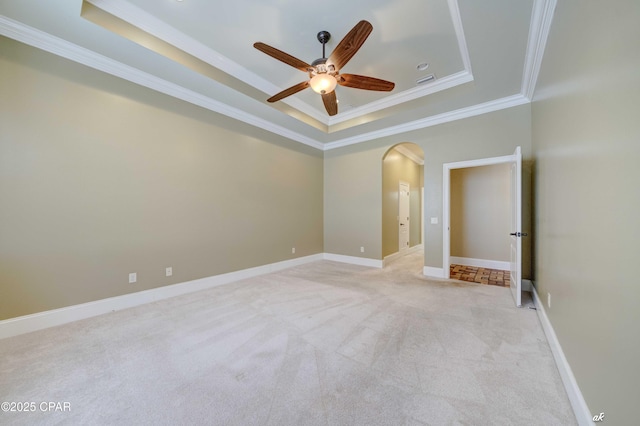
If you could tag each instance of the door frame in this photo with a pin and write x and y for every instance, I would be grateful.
(408, 225)
(446, 200)
(515, 265)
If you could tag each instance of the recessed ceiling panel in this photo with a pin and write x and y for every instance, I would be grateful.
(405, 34)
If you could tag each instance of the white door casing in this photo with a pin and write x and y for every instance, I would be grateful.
(516, 204)
(515, 264)
(404, 203)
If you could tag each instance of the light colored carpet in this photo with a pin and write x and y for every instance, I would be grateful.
(320, 344)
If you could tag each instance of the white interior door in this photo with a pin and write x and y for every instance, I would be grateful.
(403, 215)
(516, 227)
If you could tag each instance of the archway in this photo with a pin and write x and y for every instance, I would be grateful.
(402, 200)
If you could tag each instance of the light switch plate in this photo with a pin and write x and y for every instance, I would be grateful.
(434, 220)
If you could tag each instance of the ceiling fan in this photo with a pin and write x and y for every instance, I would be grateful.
(324, 73)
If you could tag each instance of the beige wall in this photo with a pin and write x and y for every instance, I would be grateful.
(481, 212)
(397, 167)
(353, 179)
(587, 150)
(100, 178)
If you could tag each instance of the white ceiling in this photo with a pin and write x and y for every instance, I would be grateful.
(201, 51)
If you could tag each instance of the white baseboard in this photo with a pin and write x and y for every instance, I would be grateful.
(480, 263)
(362, 261)
(579, 405)
(399, 254)
(432, 272)
(52, 318)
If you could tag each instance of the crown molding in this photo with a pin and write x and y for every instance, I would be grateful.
(408, 95)
(462, 40)
(410, 155)
(157, 28)
(434, 120)
(440, 84)
(541, 19)
(49, 43)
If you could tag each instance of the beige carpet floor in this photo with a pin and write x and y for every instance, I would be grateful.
(320, 344)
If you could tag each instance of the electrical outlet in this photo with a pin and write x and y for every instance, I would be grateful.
(168, 271)
(549, 300)
(434, 220)
(361, 249)
(293, 250)
(133, 277)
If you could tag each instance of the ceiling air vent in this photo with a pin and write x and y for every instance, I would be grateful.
(426, 79)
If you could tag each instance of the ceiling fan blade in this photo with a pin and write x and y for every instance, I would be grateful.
(288, 92)
(366, 83)
(281, 56)
(350, 44)
(330, 102)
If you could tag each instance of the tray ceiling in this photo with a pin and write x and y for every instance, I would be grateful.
(482, 55)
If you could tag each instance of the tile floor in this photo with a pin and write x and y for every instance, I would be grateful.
(480, 275)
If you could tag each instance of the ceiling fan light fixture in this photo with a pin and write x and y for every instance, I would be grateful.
(323, 83)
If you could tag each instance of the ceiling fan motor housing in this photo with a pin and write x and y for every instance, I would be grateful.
(319, 66)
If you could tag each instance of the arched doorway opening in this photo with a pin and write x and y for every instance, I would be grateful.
(402, 201)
